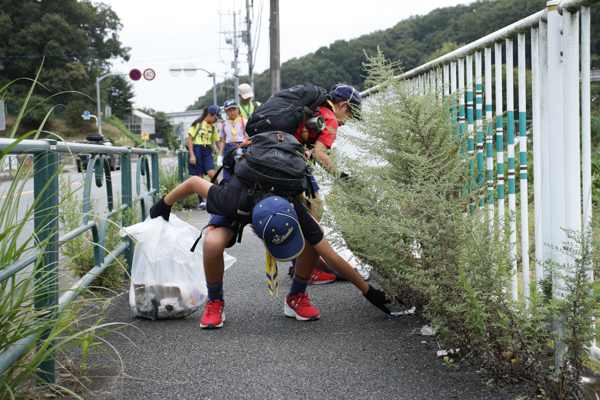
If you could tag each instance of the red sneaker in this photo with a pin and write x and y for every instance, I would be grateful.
(319, 277)
(213, 315)
(299, 306)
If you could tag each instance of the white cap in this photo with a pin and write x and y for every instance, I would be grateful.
(245, 91)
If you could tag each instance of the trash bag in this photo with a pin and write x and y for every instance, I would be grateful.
(167, 279)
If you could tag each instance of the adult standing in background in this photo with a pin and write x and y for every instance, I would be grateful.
(247, 102)
(201, 137)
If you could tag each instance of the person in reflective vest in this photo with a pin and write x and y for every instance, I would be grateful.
(247, 103)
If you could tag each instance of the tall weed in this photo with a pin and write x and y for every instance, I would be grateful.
(21, 323)
(409, 213)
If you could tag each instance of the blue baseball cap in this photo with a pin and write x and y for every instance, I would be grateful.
(351, 95)
(275, 221)
(230, 104)
(216, 111)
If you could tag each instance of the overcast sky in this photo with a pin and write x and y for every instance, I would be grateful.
(161, 33)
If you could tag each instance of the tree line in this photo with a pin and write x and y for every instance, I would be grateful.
(70, 43)
(412, 41)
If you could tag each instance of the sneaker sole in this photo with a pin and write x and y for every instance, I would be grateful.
(289, 312)
(321, 282)
(213, 326)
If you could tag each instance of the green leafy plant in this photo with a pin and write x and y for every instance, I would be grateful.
(80, 250)
(20, 322)
(410, 212)
(169, 179)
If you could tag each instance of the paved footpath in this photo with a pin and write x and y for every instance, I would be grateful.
(353, 352)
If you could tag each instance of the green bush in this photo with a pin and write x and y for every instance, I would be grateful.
(409, 213)
(74, 112)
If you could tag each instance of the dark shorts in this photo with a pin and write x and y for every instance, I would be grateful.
(220, 221)
(223, 200)
(225, 149)
(204, 160)
(315, 185)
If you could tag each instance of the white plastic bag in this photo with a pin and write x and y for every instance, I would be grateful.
(167, 279)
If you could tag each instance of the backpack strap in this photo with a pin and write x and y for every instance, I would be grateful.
(244, 128)
(245, 206)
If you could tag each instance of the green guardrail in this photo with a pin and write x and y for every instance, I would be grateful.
(46, 210)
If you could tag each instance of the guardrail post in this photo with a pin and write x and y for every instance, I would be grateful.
(557, 164)
(45, 186)
(181, 161)
(127, 199)
(155, 176)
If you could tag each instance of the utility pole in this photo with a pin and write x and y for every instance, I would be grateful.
(274, 39)
(249, 43)
(236, 71)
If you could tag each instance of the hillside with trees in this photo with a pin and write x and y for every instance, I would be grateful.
(71, 43)
(411, 41)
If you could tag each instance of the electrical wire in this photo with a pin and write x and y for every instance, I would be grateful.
(257, 34)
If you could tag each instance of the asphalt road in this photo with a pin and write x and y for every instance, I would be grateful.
(353, 351)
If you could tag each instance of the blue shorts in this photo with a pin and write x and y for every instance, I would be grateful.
(220, 221)
(204, 160)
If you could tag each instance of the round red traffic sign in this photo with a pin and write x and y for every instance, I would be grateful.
(149, 74)
(135, 74)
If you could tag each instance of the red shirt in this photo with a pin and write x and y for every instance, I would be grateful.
(328, 133)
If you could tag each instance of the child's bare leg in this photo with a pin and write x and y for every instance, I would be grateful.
(306, 262)
(316, 206)
(214, 246)
(193, 185)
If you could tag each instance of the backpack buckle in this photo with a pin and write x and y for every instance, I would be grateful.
(280, 137)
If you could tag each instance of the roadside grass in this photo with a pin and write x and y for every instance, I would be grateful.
(40, 332)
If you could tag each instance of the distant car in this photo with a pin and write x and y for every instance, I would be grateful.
(82, 160)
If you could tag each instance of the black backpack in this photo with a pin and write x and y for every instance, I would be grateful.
(273, 162)
(287, 109)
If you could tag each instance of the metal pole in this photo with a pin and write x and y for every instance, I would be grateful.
(523, 167)
(99, 108)
(512, 207)
(214, 88)
(275, 69)
(546, 215)
(127, 199)
(537, 156)
(249, 43)
(470, 135)
(499, 135)
(479, 124)
(586, 141)
(572, 155)
(236, 71)
(46, 167)
(557, 165)
(489, 140)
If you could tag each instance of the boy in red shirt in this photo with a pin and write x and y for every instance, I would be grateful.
(344, 103)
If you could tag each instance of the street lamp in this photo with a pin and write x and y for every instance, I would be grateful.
(98, 80)
(190, 70)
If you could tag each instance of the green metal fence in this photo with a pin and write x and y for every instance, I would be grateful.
(47, 166)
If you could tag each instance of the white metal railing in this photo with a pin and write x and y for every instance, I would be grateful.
(562, 200)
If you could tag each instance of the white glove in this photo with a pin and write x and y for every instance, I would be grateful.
(220, 161)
